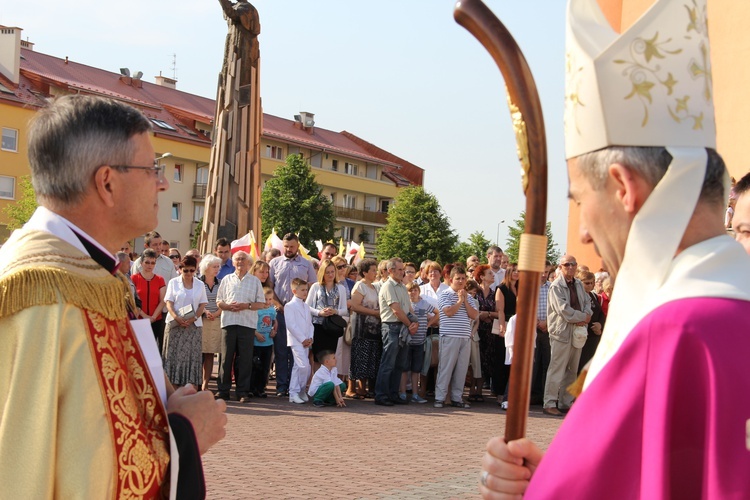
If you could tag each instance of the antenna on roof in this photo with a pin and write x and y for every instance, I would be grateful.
(174, 66)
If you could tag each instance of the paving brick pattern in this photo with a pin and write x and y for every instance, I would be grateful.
(277, 449)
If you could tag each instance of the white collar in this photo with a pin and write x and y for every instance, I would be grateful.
(47, 221)
(717, 267)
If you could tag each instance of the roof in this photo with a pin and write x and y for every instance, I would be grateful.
(180, 110)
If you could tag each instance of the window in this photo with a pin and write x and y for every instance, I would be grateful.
(335, 165)
(333, 198)
(198, 210)
(163, 124)
(372, 171)
(315, 160)
(347, 232)
(176, 211)
(384, 205)
(274, 152)
(350, 169)
(178, 170)
(350, 201)
(7, 187)
(10, 140)
(201, 175)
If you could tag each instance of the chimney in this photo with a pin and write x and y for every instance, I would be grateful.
(170, 83)
(10, 53)
(307, 120)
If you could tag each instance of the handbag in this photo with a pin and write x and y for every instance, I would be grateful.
(349, 333)
(334, 324)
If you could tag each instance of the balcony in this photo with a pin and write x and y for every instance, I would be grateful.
(361, 215)
(199, 191)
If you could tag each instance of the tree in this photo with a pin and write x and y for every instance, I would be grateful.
(293, 202)
(19, 213)
(477, 245)
(417, 229)
(514, 237)
(196, 239)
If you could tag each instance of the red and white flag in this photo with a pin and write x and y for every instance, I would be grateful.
(246, 244)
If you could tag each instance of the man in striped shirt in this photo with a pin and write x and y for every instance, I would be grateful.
(457, 309)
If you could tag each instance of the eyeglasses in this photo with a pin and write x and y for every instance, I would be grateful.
(570, 264)
(174, 256)
(156, 168)
(342, 266)
(411, 272)
(188, 271)
(588, 282)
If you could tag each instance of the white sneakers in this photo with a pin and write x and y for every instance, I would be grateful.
(303, 395)
(294, 398)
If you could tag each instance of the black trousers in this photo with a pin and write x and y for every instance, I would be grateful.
(259, 379)
(236, 352)
(541, 363)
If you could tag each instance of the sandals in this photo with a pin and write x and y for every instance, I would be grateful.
(354, 396)
(460, 404)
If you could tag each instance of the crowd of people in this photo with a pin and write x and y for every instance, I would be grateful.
(396, 332)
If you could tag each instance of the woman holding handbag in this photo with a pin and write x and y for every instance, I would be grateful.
(327, 299)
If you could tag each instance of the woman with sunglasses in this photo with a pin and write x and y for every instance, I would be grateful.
(175, 257)
(185, 299)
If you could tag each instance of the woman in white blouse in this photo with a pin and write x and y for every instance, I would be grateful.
(326, 298)
(182, 352)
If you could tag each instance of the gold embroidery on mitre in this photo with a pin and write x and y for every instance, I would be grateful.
(573, 74)
(137, 417)
(645, 74)
(522, 141)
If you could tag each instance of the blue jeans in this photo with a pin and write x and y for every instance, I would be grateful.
(392, 363)
(283, 355)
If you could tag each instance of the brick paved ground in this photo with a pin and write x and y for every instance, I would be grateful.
(277, 449)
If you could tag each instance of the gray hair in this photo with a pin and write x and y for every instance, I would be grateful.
(73, 137)
(651, 163)
(392, 263)
(207, 261)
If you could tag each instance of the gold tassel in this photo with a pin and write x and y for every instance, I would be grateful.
(576, 388)
(43, 286)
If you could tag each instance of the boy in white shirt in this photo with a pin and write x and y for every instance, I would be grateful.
(326, 386)
(299, 328)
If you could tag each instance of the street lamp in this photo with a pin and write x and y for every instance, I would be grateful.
(497, 238)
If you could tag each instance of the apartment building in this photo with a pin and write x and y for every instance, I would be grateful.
(361, 179)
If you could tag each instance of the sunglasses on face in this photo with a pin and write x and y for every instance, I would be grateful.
(188, 271)
(570, 264)
(342, 266)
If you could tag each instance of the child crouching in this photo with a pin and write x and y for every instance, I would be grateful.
(326, 386)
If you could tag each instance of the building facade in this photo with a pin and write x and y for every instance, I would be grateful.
(361, 179)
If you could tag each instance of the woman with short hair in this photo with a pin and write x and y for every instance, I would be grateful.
(210, 266)
(185, 299)
(367, 341)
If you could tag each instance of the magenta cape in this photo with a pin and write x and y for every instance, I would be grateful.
(666, 417)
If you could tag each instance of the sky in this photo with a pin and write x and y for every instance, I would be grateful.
(401, 74)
